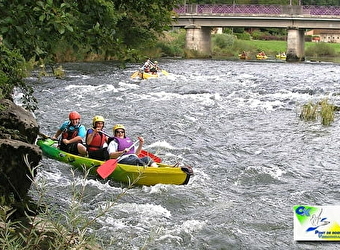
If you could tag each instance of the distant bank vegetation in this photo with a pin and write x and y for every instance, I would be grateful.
(230, 43)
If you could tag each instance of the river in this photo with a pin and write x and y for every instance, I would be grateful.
(235, 122)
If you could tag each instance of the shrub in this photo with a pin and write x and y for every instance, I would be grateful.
(320, 49)
(172, 43)
(322, 110)
(47, 228)
(243, 36)
(223, 40)
(13, 69)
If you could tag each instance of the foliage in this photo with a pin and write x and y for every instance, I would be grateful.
(44, 30)
(172, 43)
(243, 36)
(223, 41)
(13, 68)
(48, 228)
(322, 110)
(309, 112)
(326, 113)
(112, 28)
(320, 49)
(252, 47)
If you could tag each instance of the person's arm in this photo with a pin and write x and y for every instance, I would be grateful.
(79, 137)
(140, 145)
(59, 131)
(55, 137)
(75, 139)
(90, 134)
(112, 150)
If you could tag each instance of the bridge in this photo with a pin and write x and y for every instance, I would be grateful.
(198, 20)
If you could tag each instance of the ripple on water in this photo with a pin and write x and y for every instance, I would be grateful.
(235, 122)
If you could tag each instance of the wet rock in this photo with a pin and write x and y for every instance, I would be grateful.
(18, 152)
(17, 123)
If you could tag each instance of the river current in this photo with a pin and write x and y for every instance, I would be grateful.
(235, 122)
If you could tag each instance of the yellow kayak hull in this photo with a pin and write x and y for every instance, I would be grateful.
(281, 57)
(138, 175)
(259, 57)
(144, 75)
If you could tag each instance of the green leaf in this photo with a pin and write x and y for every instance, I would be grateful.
(37, 9)
(4, 29)
(41, 4)
(9, 20)
(19, 29)
(42, 18)
(61, 30)
(69, 27)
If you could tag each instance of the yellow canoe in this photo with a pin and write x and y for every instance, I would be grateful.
(282, 57)
(243, 57)
(139, 175)
(260, 57)
(144, 75)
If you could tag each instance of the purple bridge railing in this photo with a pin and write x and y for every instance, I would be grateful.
(259, 9)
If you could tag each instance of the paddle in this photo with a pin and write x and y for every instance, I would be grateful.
(142, 153)
(135, 74)
(165, 72)
(44, 136)
(109, 166)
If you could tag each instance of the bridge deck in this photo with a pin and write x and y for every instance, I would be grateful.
(278, 16)
(305, 10)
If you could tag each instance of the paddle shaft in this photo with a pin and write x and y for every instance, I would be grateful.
(46, 136)
(104, 133)
(127, 150)
(43, 135)
(109, 166)
(155, 65)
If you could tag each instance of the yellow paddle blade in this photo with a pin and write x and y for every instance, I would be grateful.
(165, 72)
(134, 74)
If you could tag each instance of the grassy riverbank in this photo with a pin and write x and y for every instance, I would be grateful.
(312, 50)
(228, 46)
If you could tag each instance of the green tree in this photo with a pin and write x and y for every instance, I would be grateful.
(12, 72)
(115, 28)
(142, 22)
(109, 27)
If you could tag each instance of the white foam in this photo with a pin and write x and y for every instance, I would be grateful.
(161, 144)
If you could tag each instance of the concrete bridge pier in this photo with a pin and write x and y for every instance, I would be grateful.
(199, 39)
(295, 45)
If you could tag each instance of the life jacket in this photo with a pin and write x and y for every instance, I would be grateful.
(147, 69)
(97, 141)
(70, 132)
(123, 143)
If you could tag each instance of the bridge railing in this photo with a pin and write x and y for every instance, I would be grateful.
(258, 9)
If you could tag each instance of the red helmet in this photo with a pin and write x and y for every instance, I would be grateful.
(74, 115)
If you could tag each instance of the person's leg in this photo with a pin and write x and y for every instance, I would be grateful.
(81, 149)
(74, 148)
(100, 154)
(132, 160)
(146, 160)
(149, 162)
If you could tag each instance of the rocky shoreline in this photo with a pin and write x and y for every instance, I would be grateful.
(18, 154)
